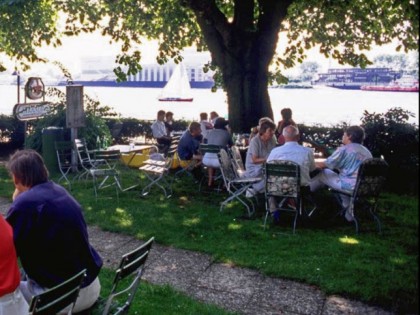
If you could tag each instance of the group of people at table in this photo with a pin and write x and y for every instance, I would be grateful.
(269, 142)
(46, 229)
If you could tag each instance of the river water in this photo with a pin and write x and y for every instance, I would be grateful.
(320, 105)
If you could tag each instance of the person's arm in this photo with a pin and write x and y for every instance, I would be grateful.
(257, 159)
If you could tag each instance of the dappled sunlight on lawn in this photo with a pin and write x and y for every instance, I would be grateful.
(348, 240)
(124, 219)
(191, 222)
(234, 226)
(398, 260)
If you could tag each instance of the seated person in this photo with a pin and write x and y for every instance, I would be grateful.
(293, 151)
(254, 130)
(286, 114)
(258, 151)
(206, 126)
(213, 117)
(11, 299)
(218, 136)
(49, 231)
(169, 121)
(189, 144)
(159, 130)
(346, 159)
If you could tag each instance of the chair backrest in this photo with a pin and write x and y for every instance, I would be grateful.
(112, 157)
(57, 298)
(370, 178)
(82, 151)
(131, 263)
(63, 151)
(237, 158)
(226, 167)
(209, 148)
(282, 179)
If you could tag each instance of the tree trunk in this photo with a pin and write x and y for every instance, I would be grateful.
(247, 94)
(242, 48)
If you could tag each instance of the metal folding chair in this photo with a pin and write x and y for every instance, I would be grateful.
(157, 173)
(58, 298)
(85, 160)
(132, 264)
(282, 183)
(371, 178)
(64, 151)
(237, 162)
(210, 148)
(235, 185)
(106, 171)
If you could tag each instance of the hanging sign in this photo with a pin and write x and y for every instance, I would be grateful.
(34, 88)
(28, 111)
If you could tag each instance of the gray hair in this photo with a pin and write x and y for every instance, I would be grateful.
(290, 132)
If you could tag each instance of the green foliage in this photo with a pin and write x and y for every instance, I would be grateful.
(95, 124)
(391, 136)
(11, 131)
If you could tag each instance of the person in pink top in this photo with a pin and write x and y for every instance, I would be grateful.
(11, 299)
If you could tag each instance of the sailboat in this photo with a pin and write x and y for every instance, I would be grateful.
(178, 88)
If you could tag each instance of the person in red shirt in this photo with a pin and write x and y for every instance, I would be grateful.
(11, 299)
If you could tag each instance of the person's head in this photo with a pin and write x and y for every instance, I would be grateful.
(354, 134)
(204, 116)
(221, 123)
(213, 115)
(266, 130)
(194, 129)
(286, 113)
(169, 116)
(262, 119)
(27, 168)
(291, 133)
(161, 115)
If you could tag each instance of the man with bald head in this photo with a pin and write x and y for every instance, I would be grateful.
(293, 151)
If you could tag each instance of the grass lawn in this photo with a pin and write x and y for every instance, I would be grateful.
(380, 269)
(153, 299)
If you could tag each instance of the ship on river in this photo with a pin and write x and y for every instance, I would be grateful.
(355, 78)
(405, 84)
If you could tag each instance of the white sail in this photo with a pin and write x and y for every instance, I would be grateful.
(178, 88)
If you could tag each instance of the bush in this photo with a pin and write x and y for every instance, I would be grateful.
(391, 136)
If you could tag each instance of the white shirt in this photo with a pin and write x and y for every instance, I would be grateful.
(293, 151)
(158, 129)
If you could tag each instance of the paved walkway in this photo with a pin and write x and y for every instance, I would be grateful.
(235, 289)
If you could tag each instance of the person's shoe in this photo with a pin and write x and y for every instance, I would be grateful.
(250, 192)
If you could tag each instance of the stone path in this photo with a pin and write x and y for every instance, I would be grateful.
(241, 290)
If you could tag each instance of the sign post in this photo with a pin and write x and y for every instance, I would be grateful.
(75, 115)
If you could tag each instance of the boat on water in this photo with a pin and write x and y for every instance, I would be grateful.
(405, 84)
(178, 88)
(355, 78)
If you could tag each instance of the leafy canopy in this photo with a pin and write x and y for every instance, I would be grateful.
(340, 28)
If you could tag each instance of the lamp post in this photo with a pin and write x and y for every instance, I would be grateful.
(17, 73)
(25, 125)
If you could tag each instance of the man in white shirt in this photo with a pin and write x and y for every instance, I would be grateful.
(293, 151)
(159, 130)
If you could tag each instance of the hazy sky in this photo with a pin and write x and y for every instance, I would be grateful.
(94, 44)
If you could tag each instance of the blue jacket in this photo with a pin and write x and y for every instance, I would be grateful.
(51, 237)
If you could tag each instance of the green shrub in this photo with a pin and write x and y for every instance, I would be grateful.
(391, 136)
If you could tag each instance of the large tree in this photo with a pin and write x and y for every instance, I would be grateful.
(241, 35)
